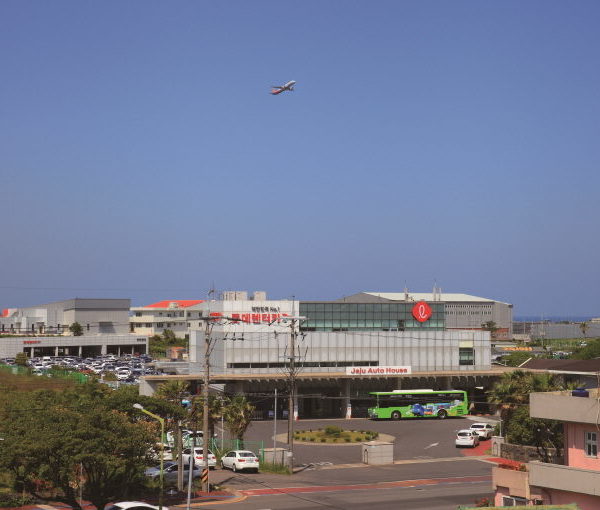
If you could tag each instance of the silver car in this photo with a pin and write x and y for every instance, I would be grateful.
(170, 470)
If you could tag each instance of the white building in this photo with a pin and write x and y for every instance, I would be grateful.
(172, 314)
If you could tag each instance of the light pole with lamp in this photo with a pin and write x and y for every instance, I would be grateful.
(162, 450)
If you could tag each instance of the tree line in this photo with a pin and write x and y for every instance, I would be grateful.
(87, 440)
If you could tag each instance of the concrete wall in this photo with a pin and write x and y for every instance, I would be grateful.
(575, 446)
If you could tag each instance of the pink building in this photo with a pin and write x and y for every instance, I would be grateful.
(578, 480)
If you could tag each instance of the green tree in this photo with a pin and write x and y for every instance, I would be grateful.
(76, 329)
(216, 408)
(512, 391)
(169, 337)
(52, 435)
(490, 326)
(238, 415)
(543, 434)
(173, 391)
(517, 358)
(590, 351)
(21, 359)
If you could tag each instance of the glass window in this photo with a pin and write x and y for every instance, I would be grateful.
(591, 444)
(466, 356)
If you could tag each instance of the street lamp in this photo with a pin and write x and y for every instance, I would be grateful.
(162, 450)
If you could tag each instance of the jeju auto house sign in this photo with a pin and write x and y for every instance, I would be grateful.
(421, 311)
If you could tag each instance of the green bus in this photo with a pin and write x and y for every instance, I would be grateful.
(419, 404)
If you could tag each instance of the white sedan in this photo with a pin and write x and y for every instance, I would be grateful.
(238, 460)
(132, 505)
(483, 430)
(467, 437)
(199, 457)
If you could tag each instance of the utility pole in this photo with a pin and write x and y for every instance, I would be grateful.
(208, 326)
(292, 372)
(205, 438)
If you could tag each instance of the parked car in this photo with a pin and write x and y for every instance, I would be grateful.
(166, 449)
(199, 457)
(132, 505)
(170, 472)
(466, 437)
(483, 430)
(238, 460)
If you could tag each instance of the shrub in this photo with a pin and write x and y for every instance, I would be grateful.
(347, 439)
(15, 500)
(323, 440)
(333, 431)
(312, 439)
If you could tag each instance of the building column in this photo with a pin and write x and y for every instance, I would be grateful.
(296, 407)
(346, 403)
(103, 349)
(56, 351)
(80, 350)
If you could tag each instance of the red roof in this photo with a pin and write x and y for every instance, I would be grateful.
(4, 313)
(181, 303)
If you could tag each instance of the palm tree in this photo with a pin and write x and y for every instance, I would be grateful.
(216, 405)
(513, 390)
(238, 416)
(583, 327)
(173, 391)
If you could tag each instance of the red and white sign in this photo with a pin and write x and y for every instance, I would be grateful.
(421, 311)
(375, 371)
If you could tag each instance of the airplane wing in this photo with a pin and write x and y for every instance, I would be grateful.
(276, 86)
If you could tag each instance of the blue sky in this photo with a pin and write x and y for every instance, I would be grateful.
(452, 142)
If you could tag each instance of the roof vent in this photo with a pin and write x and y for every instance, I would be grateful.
(173, 304)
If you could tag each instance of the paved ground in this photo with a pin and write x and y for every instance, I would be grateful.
(416, 438)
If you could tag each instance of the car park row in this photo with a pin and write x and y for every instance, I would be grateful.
(127, 369)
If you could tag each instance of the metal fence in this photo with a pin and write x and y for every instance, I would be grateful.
(221, 446)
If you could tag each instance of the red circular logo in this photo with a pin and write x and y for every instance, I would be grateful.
(421, 311)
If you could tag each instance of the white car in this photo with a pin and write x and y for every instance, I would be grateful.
(483, 430)
(467, 437)
(199, 457)
(238, 460)
(132, 505)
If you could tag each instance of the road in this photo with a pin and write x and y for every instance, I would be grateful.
(439, 497)
(423, 438)
(429, 473)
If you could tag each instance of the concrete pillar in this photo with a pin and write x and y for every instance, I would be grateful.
(296, 407)
(347, 404)
(398, 383)
(80, 351)
(119, 353)
(56, 351)
(103, 349)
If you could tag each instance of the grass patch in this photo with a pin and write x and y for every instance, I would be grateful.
(269, 467)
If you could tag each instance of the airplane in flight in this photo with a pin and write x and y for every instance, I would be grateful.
(278, 90)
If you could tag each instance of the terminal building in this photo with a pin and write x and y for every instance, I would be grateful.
(45, 330)
(342, 349)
